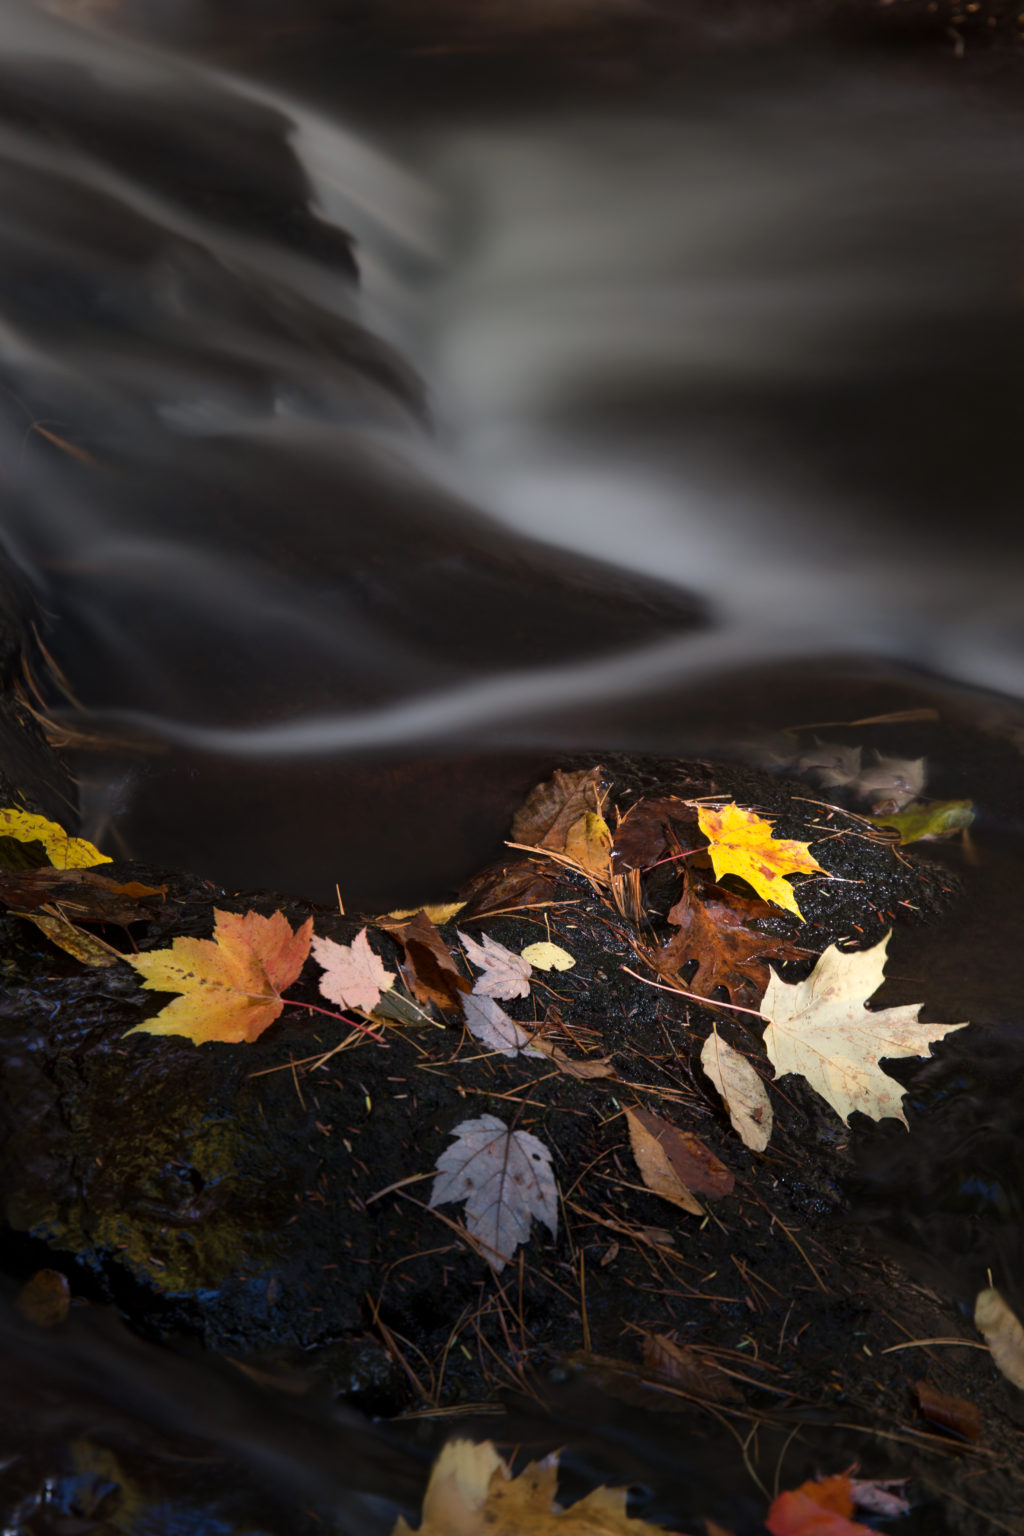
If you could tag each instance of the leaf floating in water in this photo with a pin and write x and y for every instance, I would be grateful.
(548, 957)
(354, 977)
(939, 818)
(505, 1180)
(746, 1099)
(821, 1029)
(230, 984)
(472, 1493)
(1001, 1329)
(820, 1508)
(742, 843)
(63, 852)
(505, 974)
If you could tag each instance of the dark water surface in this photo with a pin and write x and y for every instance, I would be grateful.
(678, 399)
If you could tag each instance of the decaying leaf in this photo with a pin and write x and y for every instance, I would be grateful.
(546, 956)
(505, 974)
(488, 1022)
(230, 984)
(354, 977)
(820, 1508)
(714, 930)
(63, 852)
(556, 805)
(742, 844)
(430, 970)
(821, 1029)
(832, 764)
(505, 1180)
(687, 1368)
(927, 821)
(893, 781)
(1001, 1329)
(599, 1066)
(674, 1164)
(78, 942)
(472, 1493)
(45, 1298)
(746, 1099)
(509, 886)
(644, 832)
(954, 1413)
(82, 895)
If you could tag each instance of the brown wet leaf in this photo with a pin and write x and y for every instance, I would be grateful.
(687, 1368)
(675, 1164)
(954, 1413)
(77, 942)
(45, 1298)
(429, 968)
(714, 928)
(558, 804)
(83, 895)
(597, 1067)
(645, 833)
(510, 884)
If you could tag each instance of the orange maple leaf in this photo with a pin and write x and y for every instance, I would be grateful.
(821, 1508)
(742, 844)
(230, 984)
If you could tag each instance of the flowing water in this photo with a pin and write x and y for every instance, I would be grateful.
(670, 405)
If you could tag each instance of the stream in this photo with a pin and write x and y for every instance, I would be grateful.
(379, 423)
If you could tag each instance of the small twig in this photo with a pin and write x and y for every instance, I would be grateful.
(708, 1002)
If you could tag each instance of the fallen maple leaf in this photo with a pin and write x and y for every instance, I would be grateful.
(742, 844)
(354, 977)
(746, 1099)
(505, 974)
(429, 967)
(821, 1029)
(642, 836)
(488, 1022)
(926, 822)
(505, 1179)
(231, 984)
(62, 851)
(714, 929)
(472, 1493)
(820, 1508)
(1003, 1334)
(673, 1163)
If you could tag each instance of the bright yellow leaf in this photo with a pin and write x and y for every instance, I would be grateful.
(63, 852)
(439, 912)
(742, 844)
(472, 1493)
(230, 984)
(546, 956)
(588, 845)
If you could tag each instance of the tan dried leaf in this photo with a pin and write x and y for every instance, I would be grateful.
(673, 1163)
(821, 1029)
(1001, 1329)
(554, 806)
(746, 1099)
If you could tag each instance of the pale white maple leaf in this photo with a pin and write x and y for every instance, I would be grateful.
(488, 1022)
(893, 780)
(354, 977)
(506, 974)
(505, 1179)
(821, 1029)
(832, 764)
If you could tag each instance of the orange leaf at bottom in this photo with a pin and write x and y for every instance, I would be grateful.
(819, 1508)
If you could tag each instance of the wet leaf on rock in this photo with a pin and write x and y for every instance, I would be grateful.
(714, 930)
(430, 970)
(644, 833)
(821, 1029)
(508, 887)
(743, 844)
(675, 1164)
(552, 808)
(77, 942)
(230, 984)
(84, 896)
(505, 1180)
(63, 852)
(505, 974)
(746, 1099)
(488, 1022)
(927, 820)
(546, 956)
(472, 1493)
(354, 977)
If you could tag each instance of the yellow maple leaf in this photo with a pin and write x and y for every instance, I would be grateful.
(742, 844)
(230, 984)
(472, 1493)
(63, 852)
(822, 1029)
